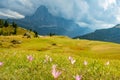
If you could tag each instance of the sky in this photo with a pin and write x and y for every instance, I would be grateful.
(95, 14)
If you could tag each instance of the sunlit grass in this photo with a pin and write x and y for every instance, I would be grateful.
(16, 65)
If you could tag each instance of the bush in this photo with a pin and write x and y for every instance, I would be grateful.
(16, 42)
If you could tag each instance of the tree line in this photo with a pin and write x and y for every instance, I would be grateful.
(5, 24)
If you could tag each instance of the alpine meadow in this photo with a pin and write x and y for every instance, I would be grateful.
(59, 40)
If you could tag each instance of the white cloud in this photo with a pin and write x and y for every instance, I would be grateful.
(70, 9)
(98, 24)
(102, 25)
(87, 13)
(11, 14)
(107, 3)
(83, 24)
(117, 15)
(26, 7)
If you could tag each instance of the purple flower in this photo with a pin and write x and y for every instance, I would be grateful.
(30, 58)
(55, 72)
(71, 60)
(78, 77)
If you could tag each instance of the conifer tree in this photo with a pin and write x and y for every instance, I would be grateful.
(14, 24)
(15, 27)
(6, 24)
(1, 23)
(36, 34)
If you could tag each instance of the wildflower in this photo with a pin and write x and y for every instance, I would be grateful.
(30, 58)
(71, 60)
(1, 63)
(47, 58)
(55, 72)
(78, 77)
(107, 63)
(50, 59)
(85, 63)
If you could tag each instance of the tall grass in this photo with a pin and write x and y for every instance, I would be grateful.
(17, 66)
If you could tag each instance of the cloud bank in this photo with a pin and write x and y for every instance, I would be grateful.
(6, 13)
(95, 14)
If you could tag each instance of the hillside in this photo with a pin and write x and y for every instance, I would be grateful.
(33, 58)
(45, 23)
(108, 35)
(7, 29)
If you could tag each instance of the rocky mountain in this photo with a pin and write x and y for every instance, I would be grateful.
(109, 35)
(45, 23)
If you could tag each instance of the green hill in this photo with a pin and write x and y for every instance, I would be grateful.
(94, 60)
(8, 29)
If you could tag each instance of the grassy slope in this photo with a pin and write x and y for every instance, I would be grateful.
(17, 67)
(20, 31)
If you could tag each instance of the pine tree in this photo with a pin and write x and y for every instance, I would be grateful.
(52, 34)
(15, 28)
(6, 24)
(15, 31)
(1, 32)
(14, 24)
(36, 34)
(1, 23)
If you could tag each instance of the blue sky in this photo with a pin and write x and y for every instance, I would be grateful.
(95, 14)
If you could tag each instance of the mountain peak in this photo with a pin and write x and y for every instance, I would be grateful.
(45, 23)
(41, 11)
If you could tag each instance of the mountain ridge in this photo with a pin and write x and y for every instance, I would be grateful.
(117, 26)
(44, 23)
(109, 35)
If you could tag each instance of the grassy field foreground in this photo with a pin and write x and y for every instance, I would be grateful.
(58, 58)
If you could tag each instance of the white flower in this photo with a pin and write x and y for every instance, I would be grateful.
(71, 60)
(85, 63)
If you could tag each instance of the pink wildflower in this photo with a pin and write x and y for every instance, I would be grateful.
(30, 58)
(78, 77)
(1, 63)
(55, 72)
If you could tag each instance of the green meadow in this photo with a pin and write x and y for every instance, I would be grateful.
(102, 58)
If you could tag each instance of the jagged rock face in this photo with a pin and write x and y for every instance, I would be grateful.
(44, 23)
